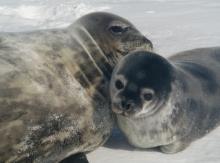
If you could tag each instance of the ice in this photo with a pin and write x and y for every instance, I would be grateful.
(172, 25)
(117, 150)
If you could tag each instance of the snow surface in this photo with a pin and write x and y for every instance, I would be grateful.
(172, 26)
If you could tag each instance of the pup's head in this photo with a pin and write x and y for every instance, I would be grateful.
(140, 84)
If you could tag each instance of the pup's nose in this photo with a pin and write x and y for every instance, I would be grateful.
(126, 105)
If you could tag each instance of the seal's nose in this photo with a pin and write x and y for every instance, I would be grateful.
(148, 43)
(126, 105)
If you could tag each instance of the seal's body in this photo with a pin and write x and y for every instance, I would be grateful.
(54, 84)
(167, 103)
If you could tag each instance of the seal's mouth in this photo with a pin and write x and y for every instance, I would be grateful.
(123, 113)
(135, 45)
(128, 111)
(141, 111)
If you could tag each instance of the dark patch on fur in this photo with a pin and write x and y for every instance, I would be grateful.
(102, 87)
(165, 126)
(44, 79)
(10, 77)
(53, 54)
(195, 118)
(49, 80)
(62, 73)
(17, 62)
(152, 133)
(90, 71)
(176, 114)
(100, 61)
(77, 110)
(56, 47)
(199, 113)
(50, 127)
(10, 92)
(12, 110)
(81, 79)
(206, 77)
(106, 68)
(102, 107)
(111, 56)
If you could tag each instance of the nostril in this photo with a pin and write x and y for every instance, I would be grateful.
(123, 104)
(127, 106)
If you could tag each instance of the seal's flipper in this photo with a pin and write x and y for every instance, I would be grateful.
(77, 158)
(174, 147)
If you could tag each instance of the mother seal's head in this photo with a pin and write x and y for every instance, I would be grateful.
(140, 83)
(114, 30)
(110, 35)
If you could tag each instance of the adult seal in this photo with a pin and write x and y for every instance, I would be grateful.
(54, 87)
(167, 103)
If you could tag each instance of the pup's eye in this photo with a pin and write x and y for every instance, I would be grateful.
(119, 85)
(148, 96)
(117, 30)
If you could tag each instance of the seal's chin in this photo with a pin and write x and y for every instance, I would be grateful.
(127, 113)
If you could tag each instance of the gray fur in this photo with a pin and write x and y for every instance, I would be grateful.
(53, 88)
(192, 109)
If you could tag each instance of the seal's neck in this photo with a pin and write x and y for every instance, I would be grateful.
(91, 66)
(94, 54)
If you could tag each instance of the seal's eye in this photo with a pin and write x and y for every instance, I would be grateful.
(118, 30)
(119, 85)
(148, 96)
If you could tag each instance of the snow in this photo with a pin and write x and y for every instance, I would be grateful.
(172, 26)
(117, 150)
(23, 15)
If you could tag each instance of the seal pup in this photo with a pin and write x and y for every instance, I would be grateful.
(54, 87)
(167, 103)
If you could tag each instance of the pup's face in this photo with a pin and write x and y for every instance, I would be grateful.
(140, 84)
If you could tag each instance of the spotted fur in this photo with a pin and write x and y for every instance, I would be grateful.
(54, 88)
(189, 89)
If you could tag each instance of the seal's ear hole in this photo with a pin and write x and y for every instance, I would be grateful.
(117, 29)
(118, 84)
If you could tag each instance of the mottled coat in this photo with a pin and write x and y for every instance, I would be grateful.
(53, 87)
(184, 106)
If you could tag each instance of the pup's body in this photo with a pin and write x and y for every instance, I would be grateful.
(181, 99)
